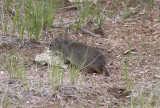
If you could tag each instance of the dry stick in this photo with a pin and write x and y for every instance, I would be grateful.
(70, 8)
(129, 51)
(88, 32)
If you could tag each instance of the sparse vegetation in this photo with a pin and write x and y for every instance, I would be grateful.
(126, 24)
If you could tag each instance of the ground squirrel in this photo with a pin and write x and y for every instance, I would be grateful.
(77, 53)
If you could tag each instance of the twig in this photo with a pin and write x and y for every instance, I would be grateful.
(88, 32)
(69, 8)
(131, 51)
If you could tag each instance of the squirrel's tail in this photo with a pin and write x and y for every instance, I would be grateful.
(106, 73)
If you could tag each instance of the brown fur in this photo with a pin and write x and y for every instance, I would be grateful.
(77, 52)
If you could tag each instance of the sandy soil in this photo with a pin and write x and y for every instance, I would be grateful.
(92, 89)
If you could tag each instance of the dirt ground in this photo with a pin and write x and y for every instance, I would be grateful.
(92, 90)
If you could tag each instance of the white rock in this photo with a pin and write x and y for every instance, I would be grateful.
(49, 58)
(2, 72)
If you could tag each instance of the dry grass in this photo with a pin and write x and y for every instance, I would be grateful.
(134, 80)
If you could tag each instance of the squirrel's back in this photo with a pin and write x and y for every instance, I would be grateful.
(77, 53)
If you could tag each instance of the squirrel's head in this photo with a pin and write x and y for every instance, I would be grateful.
(58, 44)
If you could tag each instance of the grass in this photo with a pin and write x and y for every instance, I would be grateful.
(32, 17)
(35, 15)
(9, 63)
(126, 64)
(127, 12)
(56, 75)
(39, 78)
(15, 17)
(83, 13)
(140, 100)
(100, 16)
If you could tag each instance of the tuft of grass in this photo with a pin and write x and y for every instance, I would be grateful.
(83, 12)
(74, 71)
(39, 78)
(16, 68)
(97, 102)
(2, 11)
(10, 63)
(31, 15)
(15, 17)
(133, 103)
(127, 12)
(56, 76)
(25, 81)
(33, 18)
(21, 32)
(126, 62)
(141, 98)
(149, 100)
(149, 3)
(100, 15)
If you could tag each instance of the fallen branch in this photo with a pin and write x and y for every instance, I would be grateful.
(88, 32)
(69, 8)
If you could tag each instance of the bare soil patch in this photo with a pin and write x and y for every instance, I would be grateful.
(92, 90)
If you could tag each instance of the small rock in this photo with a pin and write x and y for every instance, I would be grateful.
(2, 72)
(27, 102)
